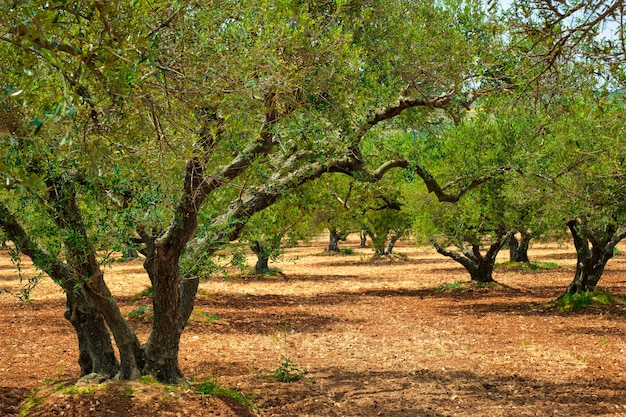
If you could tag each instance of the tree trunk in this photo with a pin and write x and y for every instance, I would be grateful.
(262, 264)
(379, 243)
(591, 259)
(82, 257)
(131, 354)
(518, 250)
(96, 351)
(363, 238)
(335, 237)
(94, 341)
(129, 252)
(480, 267)
(391, 244)
(161, 349)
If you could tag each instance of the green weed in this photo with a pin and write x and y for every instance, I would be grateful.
(148, 380)
(203, 317)
(74, 390)
(30, 402)
(139, 311)
(146, 292)
(288, 371)
(211, 387)
(450, 286)
(532, 266)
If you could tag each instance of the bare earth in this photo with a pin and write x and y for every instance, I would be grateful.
(375, 338)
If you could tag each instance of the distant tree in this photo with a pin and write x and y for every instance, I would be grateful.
(590, 186)
(270, 231)
(331, 204)
(475, 226)
(491, 158)
(383, 218)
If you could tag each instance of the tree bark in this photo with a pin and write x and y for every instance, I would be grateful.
(131, 354)
(262, 264)
(94, 341)
(363, 239)
(161, 349)
(82, 257)
(518, 250)
(480, 267)
(335, 237)
(96, 353)
(392, 242)
(593, 251)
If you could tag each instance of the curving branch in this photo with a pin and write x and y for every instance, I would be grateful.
(433, 186)
(393, 110)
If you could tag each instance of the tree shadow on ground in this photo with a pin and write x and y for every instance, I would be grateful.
(537, 309)
(436, 393)
(266, 323)
(10, 399)
(254, 301)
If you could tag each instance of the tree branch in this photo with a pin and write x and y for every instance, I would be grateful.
(433, 186)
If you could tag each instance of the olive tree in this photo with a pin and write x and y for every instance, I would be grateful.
(181, 121)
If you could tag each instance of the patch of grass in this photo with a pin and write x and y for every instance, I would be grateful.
(205, 294)
(148, 380)
(30, 402)
(532, 266)
(462, 286)
(450, 286)
(203, 317)
(146, 292)
(211, 387)
(139, 311)
(129, 392)
(347, 251)
(74, 390)
(289, 371)
(579, 301)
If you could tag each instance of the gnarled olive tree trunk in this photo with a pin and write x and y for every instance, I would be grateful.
(262, 258)
(594, 248)
(391, 244)
(362, 239)
(335, 236)
(479, 266)
(94, 340)
(81, 256)
(518, 249)
(96, 353)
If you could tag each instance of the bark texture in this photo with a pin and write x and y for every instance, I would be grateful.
(262, 264)
(335, 236)
(593, 250)
(479, 266)
(94, 341)
(518, 249)
(96, 353)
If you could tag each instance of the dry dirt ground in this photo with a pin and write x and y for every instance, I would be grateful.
(375, 339)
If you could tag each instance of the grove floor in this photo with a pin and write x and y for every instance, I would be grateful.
(376, 338)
